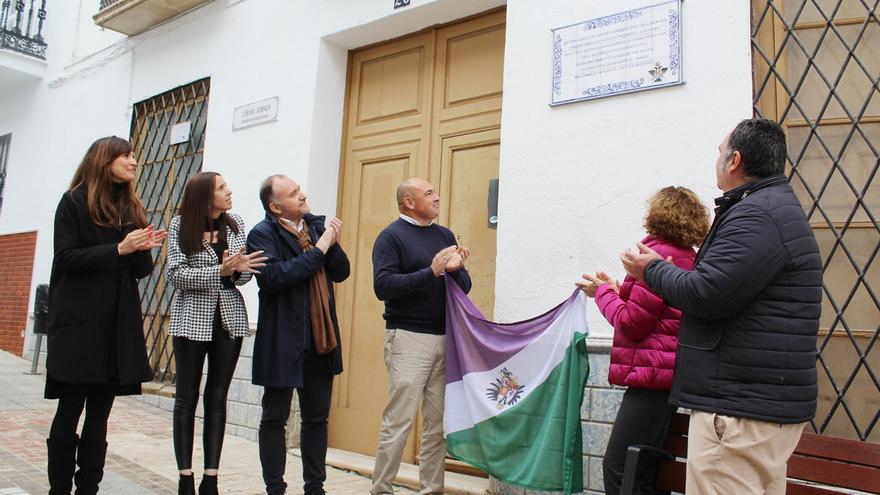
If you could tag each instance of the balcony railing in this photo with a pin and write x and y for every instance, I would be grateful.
(21, 27)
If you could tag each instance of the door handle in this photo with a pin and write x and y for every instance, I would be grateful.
(492, 220)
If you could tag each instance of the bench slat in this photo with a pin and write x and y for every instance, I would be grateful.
(834, 473)
(671, 475)
(842, 449)
(676, 445)
(679, 424)
(792, 488)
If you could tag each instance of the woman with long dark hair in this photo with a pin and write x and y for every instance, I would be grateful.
(206, 261)
(96, 347)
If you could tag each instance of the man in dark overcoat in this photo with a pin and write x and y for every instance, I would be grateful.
(297, 339)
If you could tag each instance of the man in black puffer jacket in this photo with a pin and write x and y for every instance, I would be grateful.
(746, 362)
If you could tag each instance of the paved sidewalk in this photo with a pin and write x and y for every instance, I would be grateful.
(140, 459)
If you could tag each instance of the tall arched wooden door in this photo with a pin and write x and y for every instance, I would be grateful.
(427, 105)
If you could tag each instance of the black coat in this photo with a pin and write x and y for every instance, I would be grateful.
(283, 325)
(95, 331)
(750, 309)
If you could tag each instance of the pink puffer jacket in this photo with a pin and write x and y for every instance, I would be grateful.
(645, 328)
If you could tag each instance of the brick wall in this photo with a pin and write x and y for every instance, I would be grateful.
(16, 265)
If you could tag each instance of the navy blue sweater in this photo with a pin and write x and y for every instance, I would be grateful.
(415, 299)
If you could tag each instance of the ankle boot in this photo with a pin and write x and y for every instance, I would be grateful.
(90, 459)
(208, 486)
(186, 485)
(61, 464)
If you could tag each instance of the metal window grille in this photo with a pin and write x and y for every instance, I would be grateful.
(816, 70)
(165, 168)
(4, 155)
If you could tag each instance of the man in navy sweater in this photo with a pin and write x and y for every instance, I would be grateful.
(412, 259)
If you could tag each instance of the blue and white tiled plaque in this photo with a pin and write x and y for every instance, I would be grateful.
(620, 53)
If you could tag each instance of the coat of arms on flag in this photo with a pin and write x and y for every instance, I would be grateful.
(514, 393)
(505, 391)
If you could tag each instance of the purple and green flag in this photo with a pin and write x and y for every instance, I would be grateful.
(514, 392)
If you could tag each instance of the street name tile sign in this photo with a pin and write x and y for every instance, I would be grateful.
(256, 113)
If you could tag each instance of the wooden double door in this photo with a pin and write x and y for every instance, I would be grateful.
(427, 105)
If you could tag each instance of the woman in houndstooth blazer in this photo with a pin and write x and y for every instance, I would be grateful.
(206, 261)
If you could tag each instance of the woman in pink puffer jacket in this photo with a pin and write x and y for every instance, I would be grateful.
(646, 334)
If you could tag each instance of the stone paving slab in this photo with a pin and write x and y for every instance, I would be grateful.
(140, 458)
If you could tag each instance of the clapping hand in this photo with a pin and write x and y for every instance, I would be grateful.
(594, 281)
(330, 236)
(141, 240)
(241, 262)
(457, 259)
(635, 262)
(442, 259)
(605, 279)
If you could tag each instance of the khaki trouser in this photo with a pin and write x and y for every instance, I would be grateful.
(728, 455)
(416, 366)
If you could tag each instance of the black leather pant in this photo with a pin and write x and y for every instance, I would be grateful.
(314, 405)
(222, 352)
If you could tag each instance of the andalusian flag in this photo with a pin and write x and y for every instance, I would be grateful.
(514, 392)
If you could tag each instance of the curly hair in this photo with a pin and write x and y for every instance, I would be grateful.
(677, 215)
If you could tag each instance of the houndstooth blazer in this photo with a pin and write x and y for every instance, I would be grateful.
(197, 280)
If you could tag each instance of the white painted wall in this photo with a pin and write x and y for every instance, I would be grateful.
(599, 159)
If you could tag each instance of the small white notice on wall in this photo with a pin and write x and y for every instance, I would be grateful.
(621, 53)
(180, 132)
(255, 113)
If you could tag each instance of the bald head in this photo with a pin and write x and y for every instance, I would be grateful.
(410, 188)
(416, 198)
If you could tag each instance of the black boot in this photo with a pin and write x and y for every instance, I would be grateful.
(61, 464)
(208, 486)
(90, 459)
(186, 485)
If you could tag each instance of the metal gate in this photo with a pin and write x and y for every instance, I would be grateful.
(165, 167)
(816, 70)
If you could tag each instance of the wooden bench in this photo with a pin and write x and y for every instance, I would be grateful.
(820, 465)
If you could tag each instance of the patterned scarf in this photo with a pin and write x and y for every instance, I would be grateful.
(323, 334)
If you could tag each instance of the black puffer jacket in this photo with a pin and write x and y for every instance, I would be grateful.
(751, 305)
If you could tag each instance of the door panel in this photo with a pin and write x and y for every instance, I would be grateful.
(469, 162)
(469, 54)
(468, 77)
(427, 106)
(361, 391)
(390, 88)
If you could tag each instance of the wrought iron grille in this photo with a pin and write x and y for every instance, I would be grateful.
(165, 167)
(4, 155)
(816, 70)
(21, 27)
